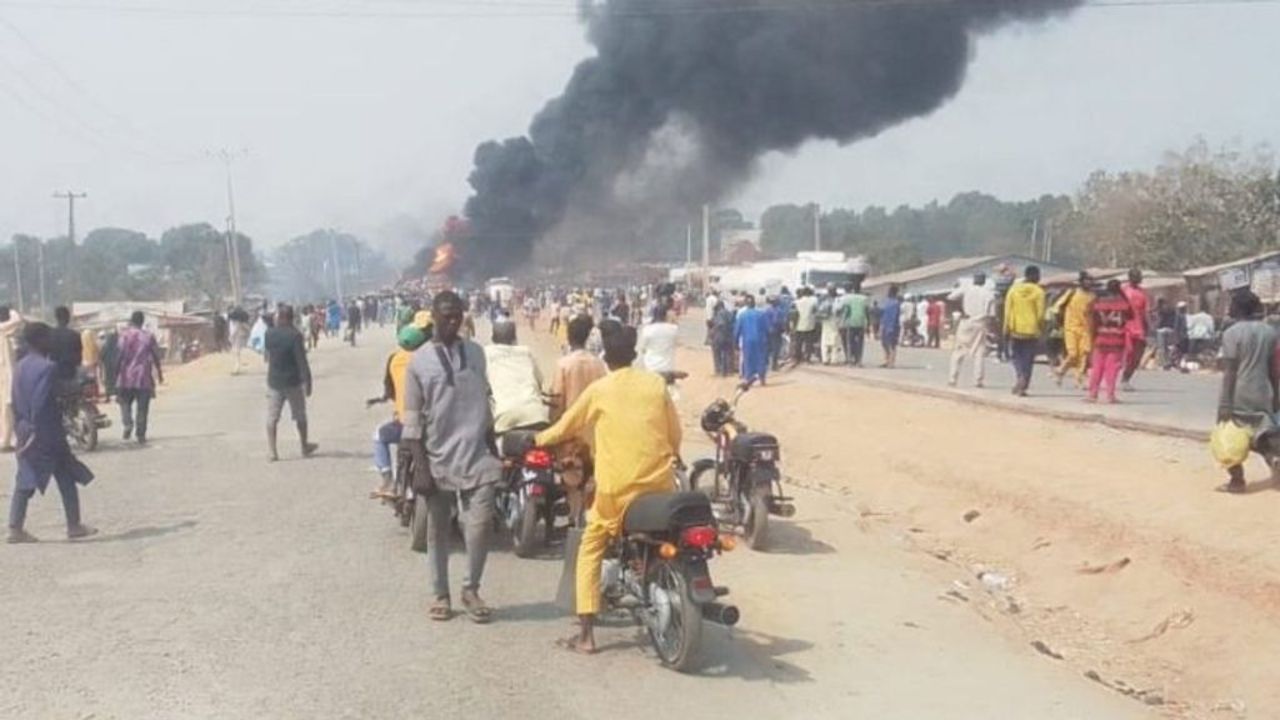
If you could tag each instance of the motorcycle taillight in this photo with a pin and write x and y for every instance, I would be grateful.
(701, 537)
(537, 458)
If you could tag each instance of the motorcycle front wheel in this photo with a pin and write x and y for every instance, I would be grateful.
(673, 619)
(418, 524)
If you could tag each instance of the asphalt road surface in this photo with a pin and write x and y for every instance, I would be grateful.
(224, 586)
(1172, 399)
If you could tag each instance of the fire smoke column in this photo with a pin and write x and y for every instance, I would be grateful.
(737, 79)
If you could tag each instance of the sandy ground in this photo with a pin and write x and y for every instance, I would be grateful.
(1119, 556)
(222, 586)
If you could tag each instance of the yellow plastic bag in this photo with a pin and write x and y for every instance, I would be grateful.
(1230, 443)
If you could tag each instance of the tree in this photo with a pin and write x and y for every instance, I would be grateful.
(305, 266)
(196, 256)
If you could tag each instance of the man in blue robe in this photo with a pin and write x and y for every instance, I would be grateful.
(42, 450)
(751, 331)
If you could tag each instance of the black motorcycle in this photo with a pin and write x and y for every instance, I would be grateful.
(743, 480)
(657, 571)
(530, 494)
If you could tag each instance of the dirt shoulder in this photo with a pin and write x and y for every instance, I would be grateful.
(1121, 558)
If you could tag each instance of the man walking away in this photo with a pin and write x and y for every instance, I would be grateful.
(139, 363)
(933, 322)
(1003, 282)
(66, 350)
(830, 326)
(288, 380)
(722, 326)
(777, 319)
(238, 321)
(1110, 326)
(637, 440)
(1250, 394)
(977, 312)
(1166, 334)
(1137, 326)
(1073, 313)
(447, 390)
(43, 451)
(806, 326)
(658, 342)
(1024, 325)
(891, 327)
(751, 332)
(856, 320)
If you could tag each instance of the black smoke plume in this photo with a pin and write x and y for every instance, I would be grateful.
(684, 96)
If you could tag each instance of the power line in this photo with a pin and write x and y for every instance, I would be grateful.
(498, 9)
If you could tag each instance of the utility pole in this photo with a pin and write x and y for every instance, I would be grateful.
(1048, 240)
(1035, 229)
(17, 276)
(71, 198)
(40, 273)
(233, 244)
(337, 266)
(688, 245)
(706, 248)
(817, 227)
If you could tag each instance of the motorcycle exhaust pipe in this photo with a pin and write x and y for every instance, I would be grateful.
(785, 510)
(720, 614)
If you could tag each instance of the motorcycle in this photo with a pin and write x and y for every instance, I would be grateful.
(657, 571)
(530, 493)
(742, 480)
(80, 416)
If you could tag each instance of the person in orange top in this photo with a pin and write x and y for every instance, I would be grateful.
(574, 373)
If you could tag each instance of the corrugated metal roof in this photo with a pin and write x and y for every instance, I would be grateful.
(1214, 269)
(926, 271)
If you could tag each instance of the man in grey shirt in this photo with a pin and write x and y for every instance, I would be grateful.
(1250, 395)
(448, 425)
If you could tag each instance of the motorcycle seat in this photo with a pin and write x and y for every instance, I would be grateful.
(663, 512)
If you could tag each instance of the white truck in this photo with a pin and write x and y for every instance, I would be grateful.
(816, 269)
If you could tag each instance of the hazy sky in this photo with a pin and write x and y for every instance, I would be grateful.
(356, 119)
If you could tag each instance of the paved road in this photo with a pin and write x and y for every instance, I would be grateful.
(222, 586)
(1184, 402)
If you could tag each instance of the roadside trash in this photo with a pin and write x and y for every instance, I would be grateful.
(1176, 621)
(1108, 568)
(971, 516)
(994, 581)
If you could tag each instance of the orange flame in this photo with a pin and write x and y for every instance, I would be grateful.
(445, 256)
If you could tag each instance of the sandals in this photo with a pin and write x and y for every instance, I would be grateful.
(441, 610)
(477, 611)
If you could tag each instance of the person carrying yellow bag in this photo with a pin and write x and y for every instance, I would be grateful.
(1250, 393)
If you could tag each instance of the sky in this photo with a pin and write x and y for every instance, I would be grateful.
(365, 119)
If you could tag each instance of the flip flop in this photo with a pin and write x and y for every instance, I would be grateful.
(1230, 489)
(571, 644)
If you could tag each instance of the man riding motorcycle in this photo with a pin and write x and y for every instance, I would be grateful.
(637, 442)
(518, 401)
(409, 339)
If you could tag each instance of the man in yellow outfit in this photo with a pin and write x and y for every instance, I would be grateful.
(1024, 326)
(637, 441)
(1077, 328)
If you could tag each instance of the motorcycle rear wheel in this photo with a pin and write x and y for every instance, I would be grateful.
(674, 637)
(756, 528)
(524, 536)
